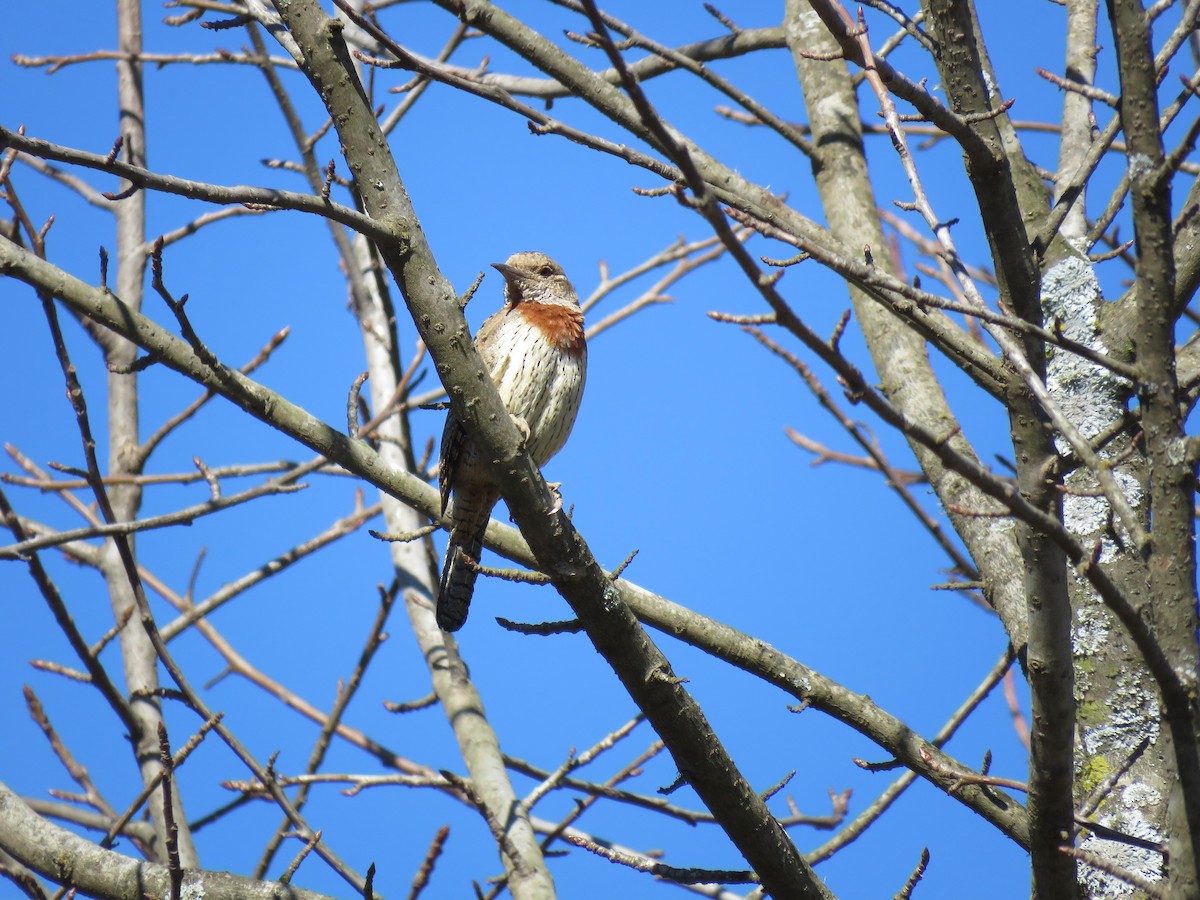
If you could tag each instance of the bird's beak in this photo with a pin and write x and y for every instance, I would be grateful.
(513, 279)
(510, 273)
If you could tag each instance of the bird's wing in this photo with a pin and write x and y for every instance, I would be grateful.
(488, 343)
(454, 438)
(454, 441)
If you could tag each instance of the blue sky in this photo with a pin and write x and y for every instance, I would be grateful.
(679, 451)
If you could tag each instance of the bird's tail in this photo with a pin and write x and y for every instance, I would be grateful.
(459, 577)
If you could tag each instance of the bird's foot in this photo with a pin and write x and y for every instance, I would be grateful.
(523, 427)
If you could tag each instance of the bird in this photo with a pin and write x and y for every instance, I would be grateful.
(536, 353)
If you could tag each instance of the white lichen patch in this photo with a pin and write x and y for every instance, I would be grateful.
(1112, 725)
(1139, 164)
(1070, 292)
(1100, 885)
(1130, 486)
(1115, 712)
(1130, 716)
(1132, 490)
(1091, 396)
(1146, 863)
(1085, 515)
(1139, 796)
(1091, 632)
(1177, 451)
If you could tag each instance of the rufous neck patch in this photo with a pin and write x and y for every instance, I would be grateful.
(561, 325)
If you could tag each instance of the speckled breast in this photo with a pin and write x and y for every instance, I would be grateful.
(541, 379)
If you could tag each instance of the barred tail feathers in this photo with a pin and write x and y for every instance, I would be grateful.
(470, 513)
(458, 581)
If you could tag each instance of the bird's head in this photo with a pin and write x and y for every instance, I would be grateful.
(533, 277)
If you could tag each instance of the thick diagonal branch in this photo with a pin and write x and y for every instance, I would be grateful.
(613, 629)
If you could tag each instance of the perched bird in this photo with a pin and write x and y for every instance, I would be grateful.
(535, 351)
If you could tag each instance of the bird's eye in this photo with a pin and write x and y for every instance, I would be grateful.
(547, 271)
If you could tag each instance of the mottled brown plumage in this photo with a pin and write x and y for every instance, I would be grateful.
(535, 351)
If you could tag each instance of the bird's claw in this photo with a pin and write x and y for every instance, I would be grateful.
(523, 427)
(554, 486)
